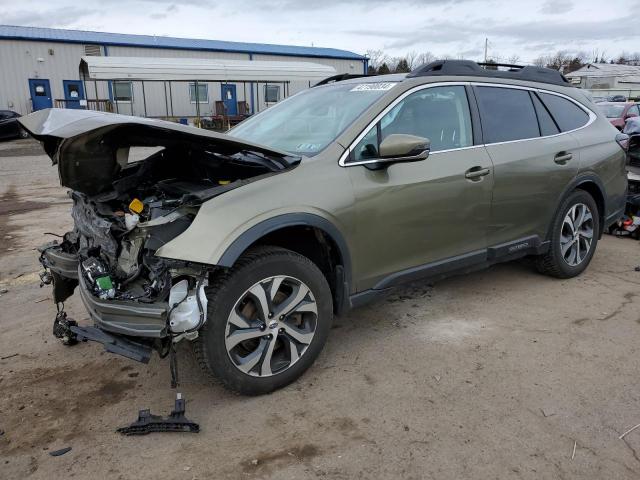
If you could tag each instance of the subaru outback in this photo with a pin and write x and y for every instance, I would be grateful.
(248, 243)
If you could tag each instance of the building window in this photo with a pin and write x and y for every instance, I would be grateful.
(122, 91)
(271, 93)
(203, 92)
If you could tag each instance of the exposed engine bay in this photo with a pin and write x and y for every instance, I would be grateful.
(125, 209)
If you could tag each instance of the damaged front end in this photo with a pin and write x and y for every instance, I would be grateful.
(110, 256)
(126, 208)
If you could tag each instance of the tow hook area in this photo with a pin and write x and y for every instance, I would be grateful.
(71, 333)
(62, 328)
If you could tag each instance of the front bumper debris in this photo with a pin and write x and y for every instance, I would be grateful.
(71, 333)
(114, 343)
(125, 317)
(175, 422)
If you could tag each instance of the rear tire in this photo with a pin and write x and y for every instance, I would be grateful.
(23, 134)
(574, 237)
(280, 303)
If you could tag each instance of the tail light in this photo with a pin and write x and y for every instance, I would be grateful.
(623, 141)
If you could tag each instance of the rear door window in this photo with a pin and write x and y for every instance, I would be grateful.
(506, 114)
(567, 114)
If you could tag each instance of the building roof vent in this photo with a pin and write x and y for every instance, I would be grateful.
(92, 51)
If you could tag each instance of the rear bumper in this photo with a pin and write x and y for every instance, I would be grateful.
(125, 317)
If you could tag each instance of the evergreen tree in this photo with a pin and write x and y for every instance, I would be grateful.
(383, 69)
(403, 66)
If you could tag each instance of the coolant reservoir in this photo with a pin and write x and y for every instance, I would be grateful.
(131, 220)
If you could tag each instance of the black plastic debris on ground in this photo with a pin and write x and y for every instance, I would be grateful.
(175, 422)
(62, 451)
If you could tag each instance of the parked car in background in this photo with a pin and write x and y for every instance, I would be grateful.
(617, 112)
(9, 126)
(248, 243)
(617, 98)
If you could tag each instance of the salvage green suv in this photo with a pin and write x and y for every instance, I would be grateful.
(248, 243)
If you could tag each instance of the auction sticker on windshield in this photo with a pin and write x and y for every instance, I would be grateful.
(373, 87)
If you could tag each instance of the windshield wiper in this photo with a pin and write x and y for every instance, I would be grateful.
(279, 162)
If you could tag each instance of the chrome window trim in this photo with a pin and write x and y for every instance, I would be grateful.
(345, 155)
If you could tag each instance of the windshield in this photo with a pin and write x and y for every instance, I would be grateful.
(306, 123)
(612, 111)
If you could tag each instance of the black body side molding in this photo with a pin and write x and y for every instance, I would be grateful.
(458, 265)
(255, 233)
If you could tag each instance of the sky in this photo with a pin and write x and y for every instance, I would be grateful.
(453, 28)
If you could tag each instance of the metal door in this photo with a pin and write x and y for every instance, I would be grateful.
(229, 99)
(40, 93)
(73, 93)
(410, 215)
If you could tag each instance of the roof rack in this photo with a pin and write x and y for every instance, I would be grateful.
(340, 77)
(472, 69)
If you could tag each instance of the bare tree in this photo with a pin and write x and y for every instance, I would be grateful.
(424, 58)
(393, 62)
(598, 57)
(412, 59)
(376, 58)
(540, 61)
(513, 59)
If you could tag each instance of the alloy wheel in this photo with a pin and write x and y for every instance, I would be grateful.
(576, 234)
(271, 326)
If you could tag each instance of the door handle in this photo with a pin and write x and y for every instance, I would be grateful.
(562, 158)
(475, 173)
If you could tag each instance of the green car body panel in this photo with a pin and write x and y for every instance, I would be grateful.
(417, 213)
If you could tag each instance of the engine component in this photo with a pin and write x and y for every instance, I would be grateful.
(99, 278)
(186, 311)
(131, 220)
(136, 206)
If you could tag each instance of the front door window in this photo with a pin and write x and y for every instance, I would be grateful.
(440, 114)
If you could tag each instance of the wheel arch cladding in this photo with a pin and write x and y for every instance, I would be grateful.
(597, 194)
(594, 187)
(309, 235)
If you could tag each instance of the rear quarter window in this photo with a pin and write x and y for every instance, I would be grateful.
(506, 114)
(547, 124)
(567, 114)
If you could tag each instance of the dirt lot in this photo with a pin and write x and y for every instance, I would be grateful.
(491, 375)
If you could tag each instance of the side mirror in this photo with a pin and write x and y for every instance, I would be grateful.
(398, 148)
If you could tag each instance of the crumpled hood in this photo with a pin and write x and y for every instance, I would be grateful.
(85, 143)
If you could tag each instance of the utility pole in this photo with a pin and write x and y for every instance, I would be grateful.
(486, 46)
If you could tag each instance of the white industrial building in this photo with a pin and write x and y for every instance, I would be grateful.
(608, 79)
(156, 76)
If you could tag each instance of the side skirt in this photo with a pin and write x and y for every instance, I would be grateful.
(458, 265)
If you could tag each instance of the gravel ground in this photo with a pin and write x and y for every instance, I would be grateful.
(497, 374)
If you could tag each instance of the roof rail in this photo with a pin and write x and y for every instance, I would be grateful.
(340, 77)
(472, 69)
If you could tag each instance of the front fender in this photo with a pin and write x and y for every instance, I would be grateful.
(317, 193)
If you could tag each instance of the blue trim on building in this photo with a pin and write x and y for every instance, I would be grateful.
(119, 39)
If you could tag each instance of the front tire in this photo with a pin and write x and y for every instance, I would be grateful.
(574, 237)
(268, 318)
